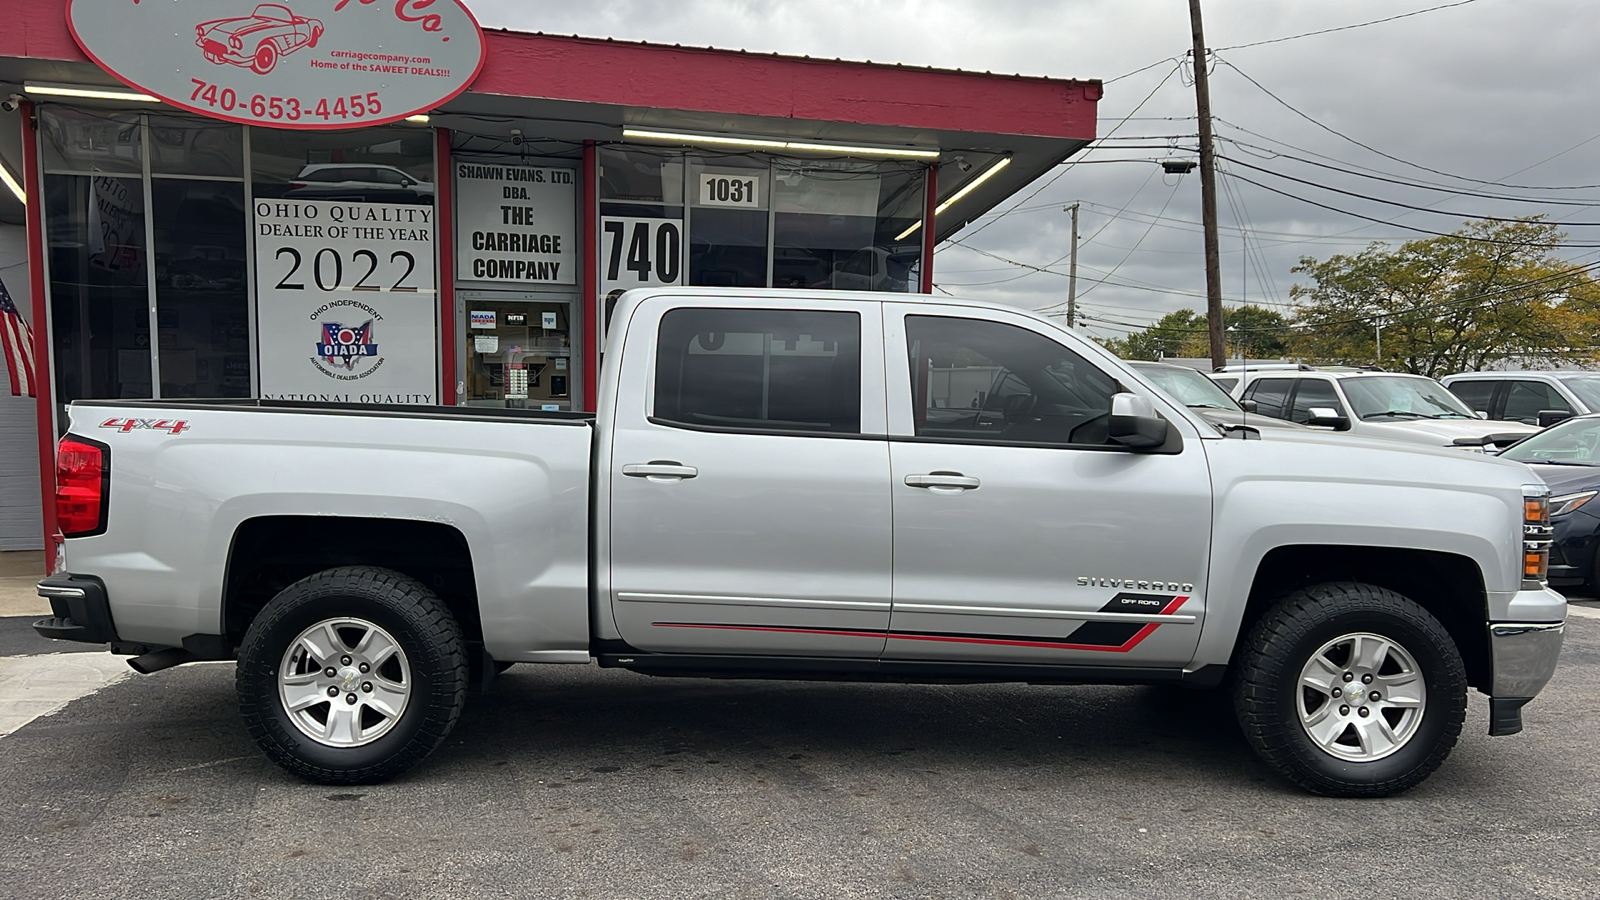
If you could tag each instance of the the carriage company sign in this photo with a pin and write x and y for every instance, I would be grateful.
(290, 64)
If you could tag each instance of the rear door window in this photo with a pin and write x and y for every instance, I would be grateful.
(759, 370)
(1476, 393)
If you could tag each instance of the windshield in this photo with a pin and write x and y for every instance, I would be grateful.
(1188, 386)
(1573, 442)
(1587, 387)
(1402, 397)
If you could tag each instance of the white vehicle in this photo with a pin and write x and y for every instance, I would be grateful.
(1388, 405)
(807, 484)
(358, 181)
(1533, 398)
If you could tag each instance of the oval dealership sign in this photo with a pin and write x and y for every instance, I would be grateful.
(288, 64)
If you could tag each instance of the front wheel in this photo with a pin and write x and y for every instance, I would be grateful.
(352, 675)
(266, 58)
(1350, 690)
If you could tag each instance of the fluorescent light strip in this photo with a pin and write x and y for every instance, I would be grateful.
(50, 90)
(11, 183)
(965, 190)
(769, 144)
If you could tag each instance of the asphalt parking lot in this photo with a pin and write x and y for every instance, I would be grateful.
(577, 782)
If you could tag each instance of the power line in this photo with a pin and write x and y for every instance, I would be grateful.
(1295, 37)
(1419, 185)
(1391, 223)
(1406, 162)
(1410, 206)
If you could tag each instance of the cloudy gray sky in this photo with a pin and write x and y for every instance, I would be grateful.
(1481, 92)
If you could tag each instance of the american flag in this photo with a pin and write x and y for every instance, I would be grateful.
(18, 342)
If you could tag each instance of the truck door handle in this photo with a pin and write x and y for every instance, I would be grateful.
(943, 482)
(660, 470)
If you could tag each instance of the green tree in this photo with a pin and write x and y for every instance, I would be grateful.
(1251, 330)
(1488, 292)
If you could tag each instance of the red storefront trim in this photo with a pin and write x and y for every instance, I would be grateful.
(42, 357)
(930, 209)
(444, 238)
(591, 269)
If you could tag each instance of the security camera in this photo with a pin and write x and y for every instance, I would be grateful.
(516, 136)
(11, 103)
(962, 164)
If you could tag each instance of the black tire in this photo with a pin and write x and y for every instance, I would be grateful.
(1268, 699)
(433, 651)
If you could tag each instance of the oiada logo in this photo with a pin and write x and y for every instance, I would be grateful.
(347, 352)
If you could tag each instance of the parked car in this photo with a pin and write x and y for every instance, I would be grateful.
(358, 181)
(808, 484)
(1386, 405)
(257, 40)
(1203, 395)
(1567, 457)
(1534, 398)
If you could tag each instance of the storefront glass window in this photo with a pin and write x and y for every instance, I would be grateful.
(835, 223)
(728, 201)
(202, 295)
(377, 165)
(182, 146)
(99, 289)
(91, 141)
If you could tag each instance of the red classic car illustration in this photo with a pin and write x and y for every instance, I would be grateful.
(257, 40)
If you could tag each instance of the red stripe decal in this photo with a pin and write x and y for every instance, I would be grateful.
(1132, 642)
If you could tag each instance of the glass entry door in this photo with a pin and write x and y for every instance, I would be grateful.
(519, 354)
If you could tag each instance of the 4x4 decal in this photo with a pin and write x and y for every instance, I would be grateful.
(170, 426)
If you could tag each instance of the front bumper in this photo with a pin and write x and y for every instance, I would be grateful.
(1524, 657)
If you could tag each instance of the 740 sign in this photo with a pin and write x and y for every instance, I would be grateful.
(640, 252)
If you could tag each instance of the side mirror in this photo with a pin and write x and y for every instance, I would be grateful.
(1134, 423)
(1322, 416)
(1548, 417)
(1248, 406)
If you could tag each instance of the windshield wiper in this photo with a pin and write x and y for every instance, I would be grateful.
(1554, 462)
(1214, 406)
(1398, 414)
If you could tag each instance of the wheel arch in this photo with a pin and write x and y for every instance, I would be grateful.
(1448, 585)
(269, 553)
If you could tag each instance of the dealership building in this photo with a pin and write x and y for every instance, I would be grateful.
(375, 203)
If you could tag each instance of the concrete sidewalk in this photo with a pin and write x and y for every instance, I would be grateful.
(19, 571)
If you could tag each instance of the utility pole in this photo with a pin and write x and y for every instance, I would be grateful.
(1072, 272)
(1208, 192)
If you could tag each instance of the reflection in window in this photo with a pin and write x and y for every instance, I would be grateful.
(91, 141)
(376, 165)
(202, 299)
(783, 370)
(972, 379)
(99, 296)
(836, 224)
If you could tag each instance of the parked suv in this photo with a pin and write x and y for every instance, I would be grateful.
(1380, 405)
(1534, 398)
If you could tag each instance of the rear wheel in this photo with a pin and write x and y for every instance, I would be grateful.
(1350, 690)
(352, 675)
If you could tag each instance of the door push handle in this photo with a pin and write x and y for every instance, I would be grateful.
(943, 481)
(660, 470)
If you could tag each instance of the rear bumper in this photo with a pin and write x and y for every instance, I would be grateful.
(80, 610)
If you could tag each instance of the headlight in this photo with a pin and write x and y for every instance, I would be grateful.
(1566, 503)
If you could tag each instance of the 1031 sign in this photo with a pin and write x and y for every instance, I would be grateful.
(637, 252)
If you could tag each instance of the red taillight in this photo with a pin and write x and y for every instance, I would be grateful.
(81, 476)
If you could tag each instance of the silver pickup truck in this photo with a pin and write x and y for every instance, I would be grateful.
(784, 484)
